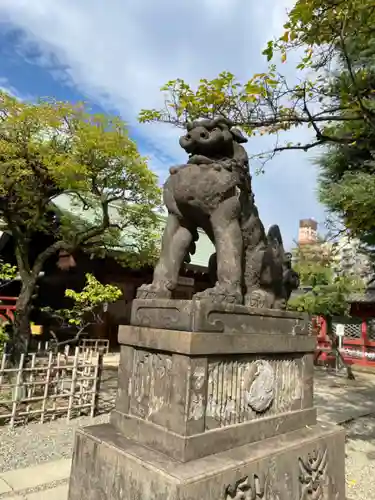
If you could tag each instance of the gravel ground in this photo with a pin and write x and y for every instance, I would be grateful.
(360, 459)
(36, 443)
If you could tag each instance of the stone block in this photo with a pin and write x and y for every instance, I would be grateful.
(215, 402)
(204, 343)
(307, 464)
(190, 394)
(208, 316)
(185, 448)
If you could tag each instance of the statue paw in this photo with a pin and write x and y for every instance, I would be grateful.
(280, 304)
(154, 291)
(261, 299)
(219, 293)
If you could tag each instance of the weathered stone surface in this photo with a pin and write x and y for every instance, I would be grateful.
(307, 464)
(225, 413)
(197, 393)
(125, 372)
(260, 386)
(190, 447)
(200, 343)
(150, 385)
(212, 191)
(208, 381)
(208, 316)
(246, 388)
(192, 402)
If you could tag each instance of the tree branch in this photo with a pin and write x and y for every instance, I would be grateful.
(367, 114)
(79, 240)
(304, 147)
(73, 340)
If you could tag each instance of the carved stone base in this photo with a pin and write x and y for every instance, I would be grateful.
(215, 402)
(191, 394)
(307, 464)
(209, 316)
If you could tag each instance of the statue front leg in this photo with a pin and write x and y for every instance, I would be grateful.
(175, 244)
(229, 248)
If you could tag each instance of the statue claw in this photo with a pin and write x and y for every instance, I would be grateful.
(219, 293)
(154, 291)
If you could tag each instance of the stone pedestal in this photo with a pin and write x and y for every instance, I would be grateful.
(214, 402)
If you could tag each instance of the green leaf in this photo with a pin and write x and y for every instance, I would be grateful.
(51, 148)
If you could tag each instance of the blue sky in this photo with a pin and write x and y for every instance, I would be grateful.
(116, 54)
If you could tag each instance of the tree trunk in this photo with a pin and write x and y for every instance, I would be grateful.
(21, 328)
(335, 348)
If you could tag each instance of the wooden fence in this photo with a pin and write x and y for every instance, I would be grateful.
(48, 387)
(85, 345)
(94, 345)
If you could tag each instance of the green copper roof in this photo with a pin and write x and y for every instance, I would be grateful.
(204, 247)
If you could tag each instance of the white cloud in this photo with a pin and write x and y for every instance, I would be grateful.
(7, 87)
(120, 52)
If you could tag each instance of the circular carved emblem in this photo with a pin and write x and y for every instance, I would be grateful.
(261, 386)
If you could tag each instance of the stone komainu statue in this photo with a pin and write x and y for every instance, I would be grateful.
(213, 191)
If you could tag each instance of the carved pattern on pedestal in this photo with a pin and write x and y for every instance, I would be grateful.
(243, 389)
(150, 383)
(148, 315)
(196, 407)
(250, 488)
(315, 484)
(259, 299)
(260, 386)
(299, 327)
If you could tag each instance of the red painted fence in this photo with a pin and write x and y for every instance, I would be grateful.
(7, 308)
(357, 345)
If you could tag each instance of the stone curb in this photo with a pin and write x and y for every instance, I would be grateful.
(36, 477)
(59, 492)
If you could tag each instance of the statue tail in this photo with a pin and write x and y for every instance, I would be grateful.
(274, 236)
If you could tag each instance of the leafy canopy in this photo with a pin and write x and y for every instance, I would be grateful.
(328, 292)
(87, 304)
(268, 102)
(52, 148)
(7, 271)
(346, 183)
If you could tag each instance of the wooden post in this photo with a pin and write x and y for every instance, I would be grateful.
(30, 387)
(46, 386)
(3, 364)
(17, 390)
(364, 340)
(97, 384)
(73, 384)
(57, 386)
